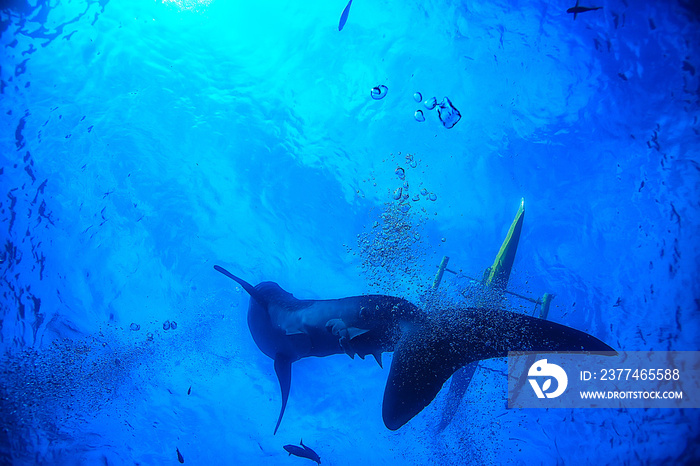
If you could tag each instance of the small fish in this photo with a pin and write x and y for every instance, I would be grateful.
(305, 452)
(189, 390)
(179, 455)
(576, 9)
(344, 16)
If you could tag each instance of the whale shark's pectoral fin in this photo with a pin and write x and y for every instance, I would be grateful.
(345, 335)
(283, 369)
(356, 332)
(346, 341)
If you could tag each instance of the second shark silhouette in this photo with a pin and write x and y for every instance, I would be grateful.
(576, 9)
(428, 349)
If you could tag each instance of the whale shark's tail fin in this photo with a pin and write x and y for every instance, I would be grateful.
(429, 354)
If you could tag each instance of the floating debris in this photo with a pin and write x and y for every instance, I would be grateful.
(166, 325)
(134, 327)
(419, 115)
(379, 92)
(449, 115)
(189, 390)
(417, 97)
(430, 103)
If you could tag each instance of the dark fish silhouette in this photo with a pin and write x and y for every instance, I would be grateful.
(576, 9)
(344, 16)
(427, 349)
(179, 455)
(304, 452)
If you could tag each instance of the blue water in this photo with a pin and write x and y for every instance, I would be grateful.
(144, 142)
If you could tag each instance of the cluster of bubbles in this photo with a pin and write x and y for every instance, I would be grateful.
(448, 114)
(402, 193)
(51, 390)
(167, 325)
(391, 248)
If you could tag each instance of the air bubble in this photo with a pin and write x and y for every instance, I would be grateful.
(448, 114)
(134, 327)
(433, 197)
(417, 97)
(405, 207)
(443, 239)
(416, 197)
(149, 336)
(400, 173)
(413, 164)
(397, 194)
(419, 116)
(430, 103)
(166, 325)
(173, 325)
(405, 185)
(424, 192)
(379, 92)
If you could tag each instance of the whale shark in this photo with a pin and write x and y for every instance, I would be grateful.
(428, 347)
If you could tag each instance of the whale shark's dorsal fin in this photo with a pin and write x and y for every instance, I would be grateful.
(283, 369)
(246, 286)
